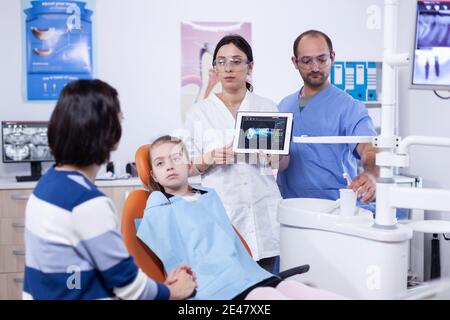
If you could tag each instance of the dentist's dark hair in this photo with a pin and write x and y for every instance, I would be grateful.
(312, 33)
(241, 44)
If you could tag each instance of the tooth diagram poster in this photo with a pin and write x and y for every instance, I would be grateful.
(198, 41)
(58, 40)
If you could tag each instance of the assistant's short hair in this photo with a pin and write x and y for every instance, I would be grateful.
(85, 127)
(312, 33)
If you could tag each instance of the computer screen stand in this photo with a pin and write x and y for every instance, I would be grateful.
(36, 170)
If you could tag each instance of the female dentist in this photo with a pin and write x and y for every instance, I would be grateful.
(244, 183)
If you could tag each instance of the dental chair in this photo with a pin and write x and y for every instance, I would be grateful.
(134, 209)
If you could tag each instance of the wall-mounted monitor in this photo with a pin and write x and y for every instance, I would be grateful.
(431, 53)
(26, 141)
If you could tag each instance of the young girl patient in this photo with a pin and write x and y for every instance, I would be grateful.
(190, 226)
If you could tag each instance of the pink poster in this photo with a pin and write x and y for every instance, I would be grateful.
(198, 41)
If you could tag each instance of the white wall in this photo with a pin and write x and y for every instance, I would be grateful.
(138, 52)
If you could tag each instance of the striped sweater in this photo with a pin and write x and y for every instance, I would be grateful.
(73, 249)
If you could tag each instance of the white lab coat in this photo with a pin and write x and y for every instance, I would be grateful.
(248, 189)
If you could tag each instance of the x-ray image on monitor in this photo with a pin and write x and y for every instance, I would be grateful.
(431, 63)
(25, 142)
(262, 134)
(267, 132)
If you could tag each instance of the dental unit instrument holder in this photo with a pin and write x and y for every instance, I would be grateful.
(393, 239)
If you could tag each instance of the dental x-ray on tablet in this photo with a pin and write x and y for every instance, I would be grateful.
(263, 131)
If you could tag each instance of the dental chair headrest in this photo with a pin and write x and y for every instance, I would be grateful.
(142, 159)
(143, 167)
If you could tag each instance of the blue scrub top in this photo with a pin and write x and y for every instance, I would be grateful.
(316, 170)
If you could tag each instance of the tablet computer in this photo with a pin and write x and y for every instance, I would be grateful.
(269, 132)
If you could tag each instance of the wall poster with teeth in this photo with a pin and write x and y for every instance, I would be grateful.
(198, 41)
(58, 42)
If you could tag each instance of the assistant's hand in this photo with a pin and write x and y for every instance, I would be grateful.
(220, 156)
(275, 160)
(364, 185)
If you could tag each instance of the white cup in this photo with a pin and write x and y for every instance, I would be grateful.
(348, 202)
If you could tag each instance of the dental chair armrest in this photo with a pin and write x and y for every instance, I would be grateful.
(293, 271)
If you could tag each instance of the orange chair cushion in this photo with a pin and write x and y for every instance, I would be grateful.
(144, 257)
(143, 163)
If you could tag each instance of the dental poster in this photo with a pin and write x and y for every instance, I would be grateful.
(58, 41)
(198, 41)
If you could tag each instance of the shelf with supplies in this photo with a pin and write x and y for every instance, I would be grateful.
(361, 80)
(372, 104)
